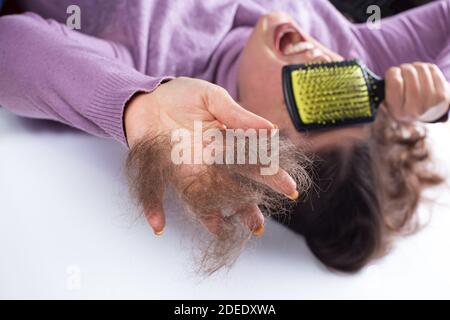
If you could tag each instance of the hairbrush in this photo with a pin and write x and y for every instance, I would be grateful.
(331, 94)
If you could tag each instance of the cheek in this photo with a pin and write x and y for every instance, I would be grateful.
(265, 90)
(260, 88)
(264, 93)
(259, 72)
(270, 90)
(266, 98)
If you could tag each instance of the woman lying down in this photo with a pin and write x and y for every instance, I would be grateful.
(135, 71)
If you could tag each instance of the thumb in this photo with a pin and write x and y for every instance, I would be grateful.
(222, 106)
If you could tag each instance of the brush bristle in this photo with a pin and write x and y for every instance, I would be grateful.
(325, 94)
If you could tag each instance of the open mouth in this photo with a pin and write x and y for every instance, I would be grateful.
(290, 41)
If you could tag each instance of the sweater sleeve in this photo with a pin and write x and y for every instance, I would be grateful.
(48, 71)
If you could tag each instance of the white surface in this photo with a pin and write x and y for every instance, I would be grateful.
(64, 211)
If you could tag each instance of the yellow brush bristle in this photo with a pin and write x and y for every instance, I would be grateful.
(326, 94)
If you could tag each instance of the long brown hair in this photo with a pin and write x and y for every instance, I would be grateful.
(365, 196)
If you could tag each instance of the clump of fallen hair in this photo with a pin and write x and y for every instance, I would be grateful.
(211, 191)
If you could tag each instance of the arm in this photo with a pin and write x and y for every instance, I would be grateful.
(421, 34)
(50, 72)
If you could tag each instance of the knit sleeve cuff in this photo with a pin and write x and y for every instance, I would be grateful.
(107, 106)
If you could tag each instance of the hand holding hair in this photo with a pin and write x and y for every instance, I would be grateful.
(177, 104)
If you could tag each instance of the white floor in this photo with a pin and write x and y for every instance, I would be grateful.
(68, 230)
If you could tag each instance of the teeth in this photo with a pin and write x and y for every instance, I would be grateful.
(289, 49)
(298, 47)
(316, 53)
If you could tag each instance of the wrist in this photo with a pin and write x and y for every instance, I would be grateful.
(140, 117)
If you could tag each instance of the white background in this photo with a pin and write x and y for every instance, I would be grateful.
(68, 230)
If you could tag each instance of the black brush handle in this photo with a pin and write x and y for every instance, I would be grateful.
(377, 88)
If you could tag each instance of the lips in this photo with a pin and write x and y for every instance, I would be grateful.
(290, 41)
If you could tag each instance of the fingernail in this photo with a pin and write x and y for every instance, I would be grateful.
(294, 195)
(159, 233)
(275, 126)
(259, 231)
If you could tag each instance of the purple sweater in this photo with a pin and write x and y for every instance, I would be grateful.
(84, 79)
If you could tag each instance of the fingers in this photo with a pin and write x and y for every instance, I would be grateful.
(155, 213)
(251, 216)
(222, 106)
(215, 124)
(412, 106)
(156, 219)
(440, 83)
(254, 219)
(395, 95)
(283, 183)
(427, 84)
(280, 182)
(416, 91)
(439, 104)
(212, 222)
